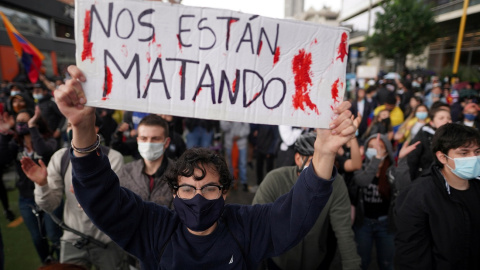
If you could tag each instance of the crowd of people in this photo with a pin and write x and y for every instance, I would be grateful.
(401, 155)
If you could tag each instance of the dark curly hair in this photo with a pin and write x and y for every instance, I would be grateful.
(198, 158)
(452, 136)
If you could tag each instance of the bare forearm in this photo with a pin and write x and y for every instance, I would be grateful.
(323, 164)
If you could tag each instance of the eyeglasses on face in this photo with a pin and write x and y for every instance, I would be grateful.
(209, 191)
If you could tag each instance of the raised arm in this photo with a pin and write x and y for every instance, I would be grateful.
(122, 215)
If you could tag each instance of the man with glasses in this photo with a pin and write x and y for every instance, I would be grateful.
(144, 176)
(202, 232)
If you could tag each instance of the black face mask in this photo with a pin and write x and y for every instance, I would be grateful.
(198, 213)
(22, 128)
(386, 122)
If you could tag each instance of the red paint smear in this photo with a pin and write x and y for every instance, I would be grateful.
(316, 41)
(342, 48)
(276, 57)
(109, 81)
(301, 68)
(256, 95)
(159, 47)
(335, 90)
(153, 41)
(87, 46)
(124, 50)
(234, 85)
(149, 58)
(260, 47)
(229, 27)
(180, 72)
(179, 44)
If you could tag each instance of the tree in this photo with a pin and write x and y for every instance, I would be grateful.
(405, 27)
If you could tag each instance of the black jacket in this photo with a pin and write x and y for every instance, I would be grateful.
(10, 150)
(51, 113)
(432, 227)
(420, 159)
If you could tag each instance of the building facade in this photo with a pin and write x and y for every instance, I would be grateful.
(48, 25)
(360, 16)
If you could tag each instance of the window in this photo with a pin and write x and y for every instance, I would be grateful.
(64, 31)
(27, 24)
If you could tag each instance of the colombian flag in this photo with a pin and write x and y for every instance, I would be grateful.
(31, 57)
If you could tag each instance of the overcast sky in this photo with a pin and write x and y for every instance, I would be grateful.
(269, 8)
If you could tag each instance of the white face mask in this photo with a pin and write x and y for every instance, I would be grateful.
(151, 151)
(370, 153)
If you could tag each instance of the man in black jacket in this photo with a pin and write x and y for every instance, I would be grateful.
(49, 109)
(437, 216)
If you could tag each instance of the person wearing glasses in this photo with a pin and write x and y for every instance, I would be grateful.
(202, 232)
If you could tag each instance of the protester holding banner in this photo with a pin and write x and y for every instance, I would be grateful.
(235, 236)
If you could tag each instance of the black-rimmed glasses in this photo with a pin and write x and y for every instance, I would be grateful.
(209, 191)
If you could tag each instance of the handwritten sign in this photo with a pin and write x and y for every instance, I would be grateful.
(208, 63)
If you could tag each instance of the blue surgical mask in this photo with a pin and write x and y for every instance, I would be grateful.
(421, 115)
(466, 168)
(371, 152)
(37, 96)
(469, 116)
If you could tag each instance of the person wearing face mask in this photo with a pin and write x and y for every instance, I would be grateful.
(412, 124)
(313, 250)
(421, 158)
(31, 138)
(437, 216)
(145, 176)
(470, 113)
(375, 199)
(202, 232)
(52, 184)
(49, 109)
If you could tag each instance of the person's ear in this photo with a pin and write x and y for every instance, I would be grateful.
(167, 142)
(441, 157)
(298, 159)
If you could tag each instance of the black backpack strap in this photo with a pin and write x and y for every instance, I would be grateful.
(64, 162)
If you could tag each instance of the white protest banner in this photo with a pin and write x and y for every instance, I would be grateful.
(207, 63)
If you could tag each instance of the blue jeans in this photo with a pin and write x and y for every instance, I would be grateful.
(37, 232)
(199, 137)
(242, 163)
(375, 230)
